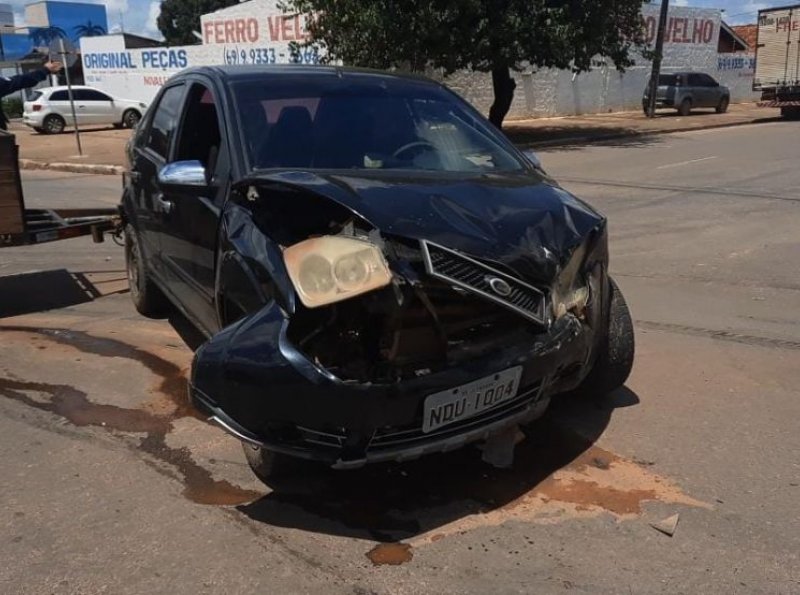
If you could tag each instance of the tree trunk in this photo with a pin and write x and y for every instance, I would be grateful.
(504, 87)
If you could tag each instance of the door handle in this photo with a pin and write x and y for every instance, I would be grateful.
(164, 206)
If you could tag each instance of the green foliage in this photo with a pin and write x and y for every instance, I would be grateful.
(12, 107)
(178, 18)
(478, 34)
(485, 35)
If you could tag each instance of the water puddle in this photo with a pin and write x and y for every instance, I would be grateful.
(392, 554)
(74, 406)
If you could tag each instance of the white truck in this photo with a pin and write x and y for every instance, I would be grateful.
(777, 74)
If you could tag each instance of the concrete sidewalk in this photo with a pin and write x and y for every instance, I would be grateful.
(104, 149)
(573, 130)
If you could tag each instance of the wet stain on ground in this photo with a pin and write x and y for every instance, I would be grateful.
(173, 379)
(74, 406)
(557, 474)
(392, 554)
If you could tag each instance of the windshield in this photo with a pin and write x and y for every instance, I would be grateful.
(348, 124)
(34, 95)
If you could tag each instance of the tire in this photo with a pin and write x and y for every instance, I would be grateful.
(54, 124)
(131, 118)
(614, 360)
(269, 465)
(118, 125)
(723, 105)
(686, 107)
(146, 296)
(790, 113)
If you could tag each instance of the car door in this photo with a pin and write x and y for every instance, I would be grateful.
(99, 107)
(713, 90)
(59, 104)
(151, 151)
(189, 241)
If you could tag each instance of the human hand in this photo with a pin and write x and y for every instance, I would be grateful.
(53, 67)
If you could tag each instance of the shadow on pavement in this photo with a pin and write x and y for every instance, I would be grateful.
(392, 502)
(47, 290)
(574, 137)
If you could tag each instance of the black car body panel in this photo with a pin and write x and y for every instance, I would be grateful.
(346, 383)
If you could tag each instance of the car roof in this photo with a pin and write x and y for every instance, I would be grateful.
(64, 88)
(230, 73)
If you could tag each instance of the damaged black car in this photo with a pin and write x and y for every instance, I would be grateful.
(380, 274)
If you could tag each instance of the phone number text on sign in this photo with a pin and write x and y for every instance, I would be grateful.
(236, 55)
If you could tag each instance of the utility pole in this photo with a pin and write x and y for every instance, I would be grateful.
(659, 52)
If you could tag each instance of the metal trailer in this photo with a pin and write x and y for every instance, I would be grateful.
(20, 226)
(777, 74)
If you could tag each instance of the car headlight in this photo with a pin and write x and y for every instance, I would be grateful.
(330, 269)
(571, 292)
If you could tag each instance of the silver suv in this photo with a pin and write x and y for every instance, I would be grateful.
(685, 91)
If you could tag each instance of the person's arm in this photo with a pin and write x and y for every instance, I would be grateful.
(27, 80)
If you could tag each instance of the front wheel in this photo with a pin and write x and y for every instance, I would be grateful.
(685, 108)
(146, 296)
(723, 105)
(616, 349)
(269, 465)
(131, 118)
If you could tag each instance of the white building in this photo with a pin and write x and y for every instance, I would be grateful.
(256, 32)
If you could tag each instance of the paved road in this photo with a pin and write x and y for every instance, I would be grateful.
(111, 485)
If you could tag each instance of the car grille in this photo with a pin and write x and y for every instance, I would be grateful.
(472, 275)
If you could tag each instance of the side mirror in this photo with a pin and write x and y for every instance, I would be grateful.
(183, 173)
(533, 159)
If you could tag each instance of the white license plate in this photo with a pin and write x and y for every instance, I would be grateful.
(470, 399)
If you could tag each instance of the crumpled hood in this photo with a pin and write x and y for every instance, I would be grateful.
(519, 219)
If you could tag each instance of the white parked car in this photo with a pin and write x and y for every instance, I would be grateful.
(48, 111)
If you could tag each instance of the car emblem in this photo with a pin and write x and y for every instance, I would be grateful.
(499, 286)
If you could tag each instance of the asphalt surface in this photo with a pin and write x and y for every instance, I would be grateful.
(111, 485)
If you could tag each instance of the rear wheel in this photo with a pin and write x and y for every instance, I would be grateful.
(686, 107)
(270, 465)
(131, 118)
(616, 349)
(146, 296)
(723, 105)
(54, 124)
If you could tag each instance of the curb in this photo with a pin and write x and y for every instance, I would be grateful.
(75, 168)
(116, 170)
(587, 140)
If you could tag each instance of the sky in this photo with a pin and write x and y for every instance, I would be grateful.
(139, 16)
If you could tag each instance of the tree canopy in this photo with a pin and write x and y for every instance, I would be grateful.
(496, 36)
(178, 18)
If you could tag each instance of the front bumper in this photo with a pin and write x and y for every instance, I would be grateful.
(258, 386)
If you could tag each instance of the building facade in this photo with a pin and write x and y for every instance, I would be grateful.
(257, 32)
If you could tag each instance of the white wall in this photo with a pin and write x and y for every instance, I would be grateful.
(257, 32)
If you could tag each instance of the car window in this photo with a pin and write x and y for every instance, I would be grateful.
(34, 95)
(199, 137)
(92, 95)
(695, 80)
(708, 81)
(667, 80)
(59, 96)
(79, 95)
(353, 124)
(165, 118)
